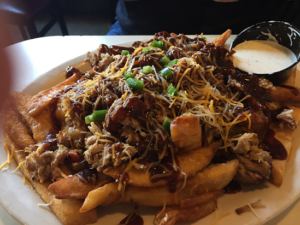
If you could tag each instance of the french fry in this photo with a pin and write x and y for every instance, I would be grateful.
(41, 125)
(285, 136)
(190, 163)
(67, 210)
(106, 195)
(73, 188)
(213, 178)
(284, 95)
(222, 38)
(43, 99)
(14, 126)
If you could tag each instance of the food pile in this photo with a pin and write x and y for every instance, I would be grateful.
(169, 122)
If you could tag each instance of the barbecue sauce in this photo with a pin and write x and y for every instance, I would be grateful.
(294, 90)
(165, 167)
(88, 176)
(70, 71)
(117, 50)
(250, 85)
(132, 219)
(275, 147)
(233, 187)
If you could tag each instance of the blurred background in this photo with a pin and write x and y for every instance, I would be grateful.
(29, 19)
(47, 18)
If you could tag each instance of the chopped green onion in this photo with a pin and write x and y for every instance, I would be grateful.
(147, 69)
(164, 61)
(167, 124)
(171, 90)
(173, 62)
(88, 119)
(158, 44)
(135, 85)
(203, 38)
(146, 50)
(128, 55)
(96, 115)
(124, 52)
(128, 75)
(166, 73)
(154, 43)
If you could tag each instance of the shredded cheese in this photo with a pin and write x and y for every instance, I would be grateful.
(21, 164)
(44, 204)
(190, 100)
(249, 120)
(181, 78)
(9, 156)
(128, 167)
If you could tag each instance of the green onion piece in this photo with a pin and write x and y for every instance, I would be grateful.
(154, 44)
(160, 44)
(164, 61)
(124, 52)
(128, 55)
(167, 124)
(88, 119)
(171, 90)
(203, 38)
(99, 114)
(135, 85)
(173, 62)
(166, 73)
(128, 75)
(96, 115)
(147, 69)
(146, 50)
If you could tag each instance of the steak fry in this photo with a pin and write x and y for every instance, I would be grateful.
(15, 127)
(214, 177)
(43, 99)
(73, 187)
(285, 135)
(222, 38)
(40, 125)
(190, 163)
(285, 94)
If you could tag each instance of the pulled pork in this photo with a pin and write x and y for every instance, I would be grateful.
(101, 155)
(254, 163)
(45, 164)
(286, 117)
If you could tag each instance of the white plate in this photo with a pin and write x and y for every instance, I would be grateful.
(21, 202)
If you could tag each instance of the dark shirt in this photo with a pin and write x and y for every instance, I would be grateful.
(202, 16)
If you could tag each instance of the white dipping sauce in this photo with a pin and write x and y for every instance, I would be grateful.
(262, 57)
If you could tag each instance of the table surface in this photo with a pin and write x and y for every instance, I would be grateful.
(35, 57)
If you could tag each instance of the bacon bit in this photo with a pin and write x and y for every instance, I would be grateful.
(246, 208)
